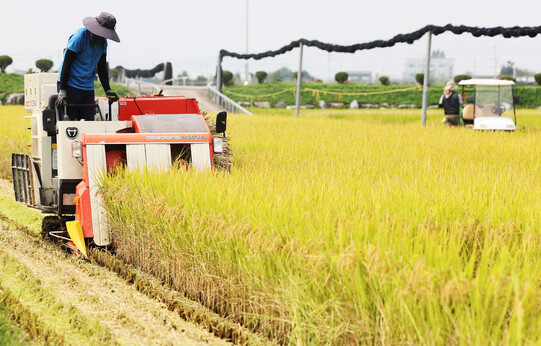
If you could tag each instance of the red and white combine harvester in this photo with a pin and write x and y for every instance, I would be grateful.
(61, 176)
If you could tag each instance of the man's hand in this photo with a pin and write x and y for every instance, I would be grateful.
(111, 95)
(62, 99)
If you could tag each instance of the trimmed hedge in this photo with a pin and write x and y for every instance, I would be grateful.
(9, 84)
(537, 78)
(460, 77)
(530, 96)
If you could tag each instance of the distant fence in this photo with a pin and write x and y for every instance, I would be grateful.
(224, 101)
(312, 94)
(142, 87)
(391, 96)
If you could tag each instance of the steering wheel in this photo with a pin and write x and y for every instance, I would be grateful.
(497, 110)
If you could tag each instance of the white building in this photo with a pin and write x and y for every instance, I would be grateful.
(360, 77)
(441, 68)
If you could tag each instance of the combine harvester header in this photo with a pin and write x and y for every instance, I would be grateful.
(62, 173)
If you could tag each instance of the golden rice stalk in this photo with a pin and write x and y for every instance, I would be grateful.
(223, 160)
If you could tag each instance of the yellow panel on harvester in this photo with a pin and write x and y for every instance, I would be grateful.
(75, 230)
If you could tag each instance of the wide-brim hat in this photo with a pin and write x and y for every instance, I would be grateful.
(102, 25)
(451, 86)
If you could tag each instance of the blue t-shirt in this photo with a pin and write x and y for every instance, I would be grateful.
(82, 68)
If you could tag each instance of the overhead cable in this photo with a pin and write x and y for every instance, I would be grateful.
(515, 31)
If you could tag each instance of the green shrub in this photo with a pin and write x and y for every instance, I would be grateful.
(5, 61)
(227, 78)
(44, 65)
(420, 78)
(537, 78)
(508, 77)
(460, 77)
(261, 76)
(384, 80)
(341, 77)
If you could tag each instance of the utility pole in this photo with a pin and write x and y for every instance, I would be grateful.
(427, 77)
(299, 79)
(218, 73)
(329, 66)
(495, 63)
(247, 72)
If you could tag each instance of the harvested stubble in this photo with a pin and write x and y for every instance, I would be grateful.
(350, 230)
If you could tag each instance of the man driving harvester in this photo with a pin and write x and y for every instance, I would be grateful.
(86, 48)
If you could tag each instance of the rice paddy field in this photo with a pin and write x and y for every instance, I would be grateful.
(345, 227)
(14, 136)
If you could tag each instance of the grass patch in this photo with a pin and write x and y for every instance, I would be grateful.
(9, 331)
(312, 93)
(10, 83)
(16, 212)
(119, 89)
(43, 315)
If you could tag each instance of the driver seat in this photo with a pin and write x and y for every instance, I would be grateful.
(467, 113)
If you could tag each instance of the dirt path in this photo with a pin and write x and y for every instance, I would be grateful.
(71, 301)
(198, 93)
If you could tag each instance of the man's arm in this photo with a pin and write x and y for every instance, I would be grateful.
(69, 57)
(104, 78)
(103, 73)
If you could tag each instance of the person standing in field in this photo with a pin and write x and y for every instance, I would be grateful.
(451, 102)
(86, 49)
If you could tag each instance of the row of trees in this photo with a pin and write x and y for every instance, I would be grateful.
(342, 77)
(507, 71)
(44, 65)
(284, 74)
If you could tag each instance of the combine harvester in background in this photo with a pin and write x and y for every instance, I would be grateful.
(493, 106)
(61, 175)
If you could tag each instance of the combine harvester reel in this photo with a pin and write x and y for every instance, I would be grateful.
(62, 173)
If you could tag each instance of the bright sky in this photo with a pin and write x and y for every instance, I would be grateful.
(190, 34)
